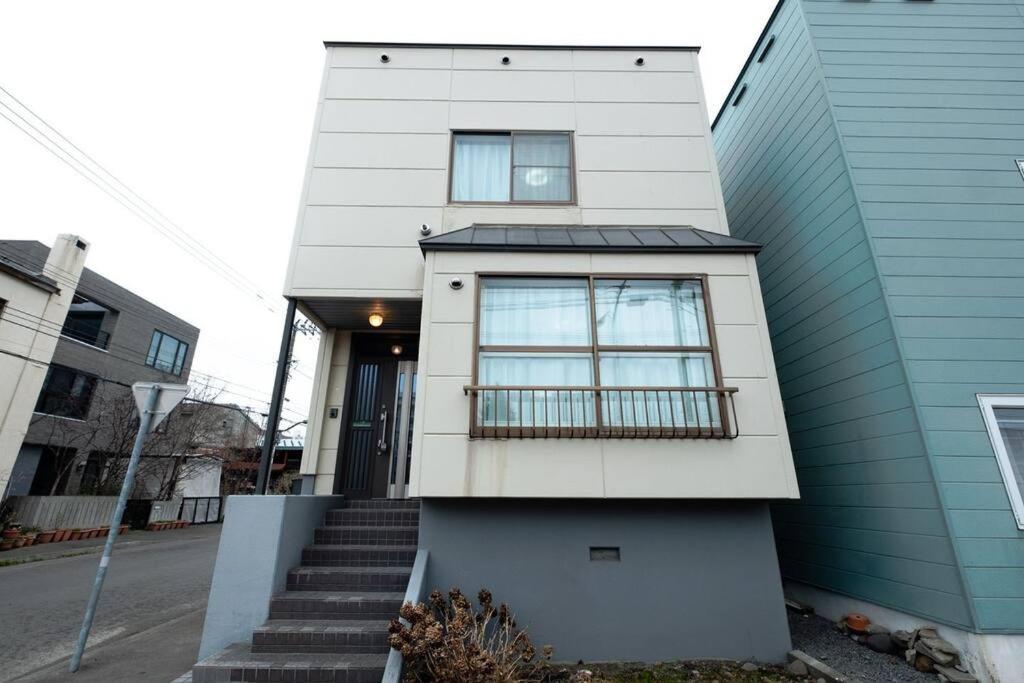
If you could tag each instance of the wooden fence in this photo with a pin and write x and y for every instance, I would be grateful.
(79, 512)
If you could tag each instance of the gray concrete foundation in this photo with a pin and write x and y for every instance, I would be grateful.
(694, 579)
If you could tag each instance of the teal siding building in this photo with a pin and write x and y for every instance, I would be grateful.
(873, 148)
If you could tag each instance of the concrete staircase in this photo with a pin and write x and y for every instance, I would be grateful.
(330, 624)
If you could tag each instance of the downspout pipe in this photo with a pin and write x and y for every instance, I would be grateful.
(276, 399)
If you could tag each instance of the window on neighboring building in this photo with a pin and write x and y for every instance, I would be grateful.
(531, 167)
(604, 332)
(66, 393)
(167, 353)
(1004, 418)
(84, 322)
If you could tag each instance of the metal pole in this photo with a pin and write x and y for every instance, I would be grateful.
(115, 525)
(276, 399)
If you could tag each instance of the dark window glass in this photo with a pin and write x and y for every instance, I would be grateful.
(167, 353)
(66, 393)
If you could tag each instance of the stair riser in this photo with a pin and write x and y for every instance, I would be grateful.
(216, 674)
(369, 517)
(323, 610)
(321, 643)
(365, 536)
(397, 504)
(387, 583)
(313, 557)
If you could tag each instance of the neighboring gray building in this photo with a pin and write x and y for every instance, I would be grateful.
(109, 339)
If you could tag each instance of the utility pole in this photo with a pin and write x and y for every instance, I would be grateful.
(276, 400)
(154, 401)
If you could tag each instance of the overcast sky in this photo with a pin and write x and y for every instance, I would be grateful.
(205, 109)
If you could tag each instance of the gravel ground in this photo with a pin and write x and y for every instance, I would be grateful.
(820, 639)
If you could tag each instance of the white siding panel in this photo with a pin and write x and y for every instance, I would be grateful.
(456, 216)
(651, 86)
(520, 59)
(624, 60)
(639, 119)
(638, 153)
(366, 226)
(317, 268)
(512, 116)
(512, 86)
(379, 187)
(381, 150)
(388, 84)
(732, 301)
(451, 305)
(739, 351)
(382, 116)
(401, 57)
(451, 350)
(647, 190)
(705, 219)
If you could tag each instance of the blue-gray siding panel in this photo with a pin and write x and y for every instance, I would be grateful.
(929, 101)
(869, 523)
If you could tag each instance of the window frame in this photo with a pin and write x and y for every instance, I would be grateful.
(181, 343)
(988, 404)
(86, 408)
(595, 348)
(573, 195)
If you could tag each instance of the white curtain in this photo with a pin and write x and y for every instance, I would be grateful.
(650, 313)
(541, 171)
(534, 312)
(662, 408)
(536, 408)
(480, 170)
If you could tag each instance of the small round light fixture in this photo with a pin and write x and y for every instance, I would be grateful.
(639, 61)
(375, 320)
(506, 61)
(396, 349)
(384, 58)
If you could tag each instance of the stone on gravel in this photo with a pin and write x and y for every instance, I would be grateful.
(924, 664)
(902, 639)
(797, 668)
(876, 628)
(879, 642)
(936, 654)
(955, 676)
(749, 666)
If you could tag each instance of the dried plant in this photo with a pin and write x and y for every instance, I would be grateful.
(448, 641)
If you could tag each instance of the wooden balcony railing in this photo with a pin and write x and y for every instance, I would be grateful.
(538, 412)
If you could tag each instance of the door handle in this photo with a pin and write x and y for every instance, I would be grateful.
(382, 442)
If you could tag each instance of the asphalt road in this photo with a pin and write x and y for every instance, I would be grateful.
(149, 619)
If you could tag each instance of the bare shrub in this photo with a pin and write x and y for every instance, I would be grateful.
(448, 641)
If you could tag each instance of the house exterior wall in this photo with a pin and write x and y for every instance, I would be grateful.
(379, 158)
(27, 314)
(873, 155)
(446, 462)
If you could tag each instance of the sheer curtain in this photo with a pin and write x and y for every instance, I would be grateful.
(536, 408)
(661, 408)
(534, 312)
(541, 167)
(650, 313)
(480, 168)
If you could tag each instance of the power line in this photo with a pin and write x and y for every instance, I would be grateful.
(121, 192)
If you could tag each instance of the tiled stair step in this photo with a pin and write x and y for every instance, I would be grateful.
(366, 535)
(333, 605)
(408, 504)
(337, 637)
(237, 663)
(386, 579)
(373, 517)
(358, 555)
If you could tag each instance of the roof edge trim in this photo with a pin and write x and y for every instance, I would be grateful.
(510, 46)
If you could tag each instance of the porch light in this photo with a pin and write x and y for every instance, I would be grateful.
(376, 320)
(396, 349)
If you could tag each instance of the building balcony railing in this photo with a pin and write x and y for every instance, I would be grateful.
(539, 412)
(97, 338)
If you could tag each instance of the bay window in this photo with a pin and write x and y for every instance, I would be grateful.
(595, 356)
(506, 167)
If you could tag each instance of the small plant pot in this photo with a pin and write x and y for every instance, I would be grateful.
(62, 535)
(75, 535)
(179, 524)
(30, 539)
(151, 526)
(124, 529)
(45, 537)
(105, 531)
(19, 542)
(6, 543)
(11, 533)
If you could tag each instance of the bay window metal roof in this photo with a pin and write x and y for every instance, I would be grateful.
(588, 238)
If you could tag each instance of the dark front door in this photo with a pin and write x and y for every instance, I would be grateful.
(375, 411)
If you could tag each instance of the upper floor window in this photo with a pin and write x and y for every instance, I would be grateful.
(66, 393)
(84, 322)
(1004, 418)
(167, 353)
(638, 348)
(529, 167)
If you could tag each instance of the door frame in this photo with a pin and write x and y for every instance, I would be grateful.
(366, 345)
